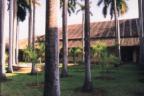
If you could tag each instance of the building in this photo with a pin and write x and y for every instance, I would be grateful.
(105, 32)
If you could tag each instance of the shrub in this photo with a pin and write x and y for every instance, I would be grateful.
(98, 50)
(41, 52)
(74, 52)
(105, 59)
(30, 54)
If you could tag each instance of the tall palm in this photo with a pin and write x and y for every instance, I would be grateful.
(117, 30)
(32, 5)
(10, 68)
(82, 8)
(68, 6)
(87, 86)
(21, 8)
(14, 31)
(141, 36)
(117, 7)
(64, 72)
(30, 31)
(17, 10)
(2, 40)
(33, 69)
(52, 84)
(17, 46)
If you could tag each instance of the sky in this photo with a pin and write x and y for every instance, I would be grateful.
(73, 19)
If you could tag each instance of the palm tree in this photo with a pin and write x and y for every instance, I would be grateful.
(17, 46)
(14, 31)
(33, 69)
(32, 5)
(30, 24)
(82, 8)
(117, 7)
(2, 41)
(68, 7)
(10, 63)
(31, 34)
(117, 30)
(87, 86)
(21, 8)
(52, 83)
(141, 36)
(64, 72)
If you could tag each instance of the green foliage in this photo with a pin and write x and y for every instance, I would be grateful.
(109, 4)
(30, 54)
(75, 51)
(41, 52)
(81, 6)
(105, 59)
(71, 5)
(36, 54)
(22, 7)
(98, 49)
(112, 59)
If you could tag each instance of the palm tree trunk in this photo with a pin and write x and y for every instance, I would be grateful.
(10, 68)
(30, 32)
(33, 35)
(52, 83)
(141, 36)
(64, 72)
(117, 31)
(33, 69)
(83, 22)
(14, 31)
(87, 86)
(17, 43)
(2, 41)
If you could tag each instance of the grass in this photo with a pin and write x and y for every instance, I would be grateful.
(125, 83)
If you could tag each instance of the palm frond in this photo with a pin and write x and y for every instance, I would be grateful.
(71, 5)
(100, 2)
(121, 7)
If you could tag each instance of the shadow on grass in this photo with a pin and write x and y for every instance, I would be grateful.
(36, 85)
(95, 92)
(5, 80)
(104, 77)
(138, 93)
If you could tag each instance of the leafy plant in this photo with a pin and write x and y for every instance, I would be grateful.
(98, 50)
(41, 52)
(30, 55)
(105, 59)
(75, 51)
(113, 59)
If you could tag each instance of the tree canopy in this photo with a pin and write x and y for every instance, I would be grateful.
(121, 7)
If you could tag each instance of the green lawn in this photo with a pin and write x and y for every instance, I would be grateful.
(124, 82)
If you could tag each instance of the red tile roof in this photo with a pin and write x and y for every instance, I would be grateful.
(103, 32)
(106, 29)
